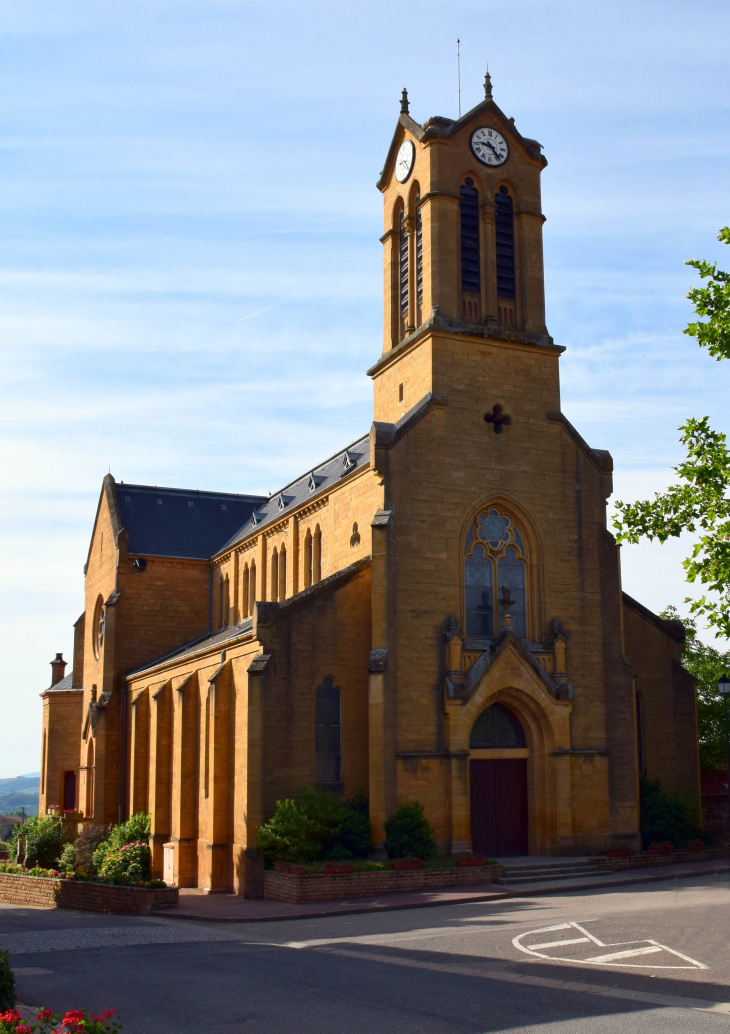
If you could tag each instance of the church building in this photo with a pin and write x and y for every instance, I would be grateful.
(432, 613)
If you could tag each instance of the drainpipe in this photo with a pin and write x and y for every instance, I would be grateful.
(123, 764)
(210, 601)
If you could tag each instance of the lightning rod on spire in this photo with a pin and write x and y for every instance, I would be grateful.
(458, 73)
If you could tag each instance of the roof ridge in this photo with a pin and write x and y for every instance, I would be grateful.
(191, 491)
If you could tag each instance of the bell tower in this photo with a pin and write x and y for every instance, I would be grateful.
(463, 226)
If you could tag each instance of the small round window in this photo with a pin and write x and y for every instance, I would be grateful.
(99, 627)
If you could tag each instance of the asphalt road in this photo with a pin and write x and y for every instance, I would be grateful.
(651, 958)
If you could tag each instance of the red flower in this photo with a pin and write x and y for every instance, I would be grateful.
(74, 1016)
(11, 1016)
(44, 1014)
(23, 1028)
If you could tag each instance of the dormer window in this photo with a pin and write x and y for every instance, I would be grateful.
(349, 460)
(315, 480)
(283, 501)
(257, 517)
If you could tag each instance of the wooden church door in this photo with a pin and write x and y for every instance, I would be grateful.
(499, 807)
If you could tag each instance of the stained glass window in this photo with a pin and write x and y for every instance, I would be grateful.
(328, 733)
(497, 727)
(494, 560)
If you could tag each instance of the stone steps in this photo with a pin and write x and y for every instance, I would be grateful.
(516, 874)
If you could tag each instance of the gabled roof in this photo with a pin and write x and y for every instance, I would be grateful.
(319, 479)
(177, 522)
(439, 126)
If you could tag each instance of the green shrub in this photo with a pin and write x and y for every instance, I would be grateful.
(136, 830)
(408, 833)
(129, 863)
(314, 825)
(85, 845)
(45, 840)
(665, 817)
(67, 858)
(7, 983)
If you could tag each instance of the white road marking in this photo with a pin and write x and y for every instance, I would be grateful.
(623, 954)
(631, 949)
(554, 944)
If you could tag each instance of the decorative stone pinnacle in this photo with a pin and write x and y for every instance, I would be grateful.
(488, 86)
(404, 102)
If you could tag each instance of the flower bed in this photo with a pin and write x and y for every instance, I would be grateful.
(646, 859)
(57, 891)
(295, 890)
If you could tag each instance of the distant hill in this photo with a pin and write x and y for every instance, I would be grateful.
(20, 792)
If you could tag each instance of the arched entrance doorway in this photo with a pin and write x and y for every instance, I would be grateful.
(498, 784)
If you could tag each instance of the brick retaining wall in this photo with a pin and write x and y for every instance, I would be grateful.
(644, 860)
(41, 892)
(296, 890)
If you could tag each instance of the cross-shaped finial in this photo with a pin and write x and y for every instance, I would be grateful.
(404, 102)
(505, 603)
(498, 419)
(488, 86)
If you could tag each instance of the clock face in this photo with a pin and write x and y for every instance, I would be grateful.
(404, 161)
(489, 146)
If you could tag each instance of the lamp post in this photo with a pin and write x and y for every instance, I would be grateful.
(723, 688)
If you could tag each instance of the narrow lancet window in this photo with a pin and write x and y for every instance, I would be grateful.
(402, 272)
(419, 260)
(470, 263)
(495, 575)
(328, 733)
(505, 233)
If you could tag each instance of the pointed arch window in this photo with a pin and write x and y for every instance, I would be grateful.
(470, 255)
(308, 559)
(252, 587)
(497, 727)
(402, 271)
(282, 573)
(504, 224)
(275, 575)
(329, 733)
(495, 575)
(317, 555)
(419, 258)
(245, 591)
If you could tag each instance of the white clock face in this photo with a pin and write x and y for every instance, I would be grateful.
(404, 161)
(489, 146)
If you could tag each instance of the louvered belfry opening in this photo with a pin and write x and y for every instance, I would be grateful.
(470, 263)
(419, 262)
(504, 223)
(403, 273)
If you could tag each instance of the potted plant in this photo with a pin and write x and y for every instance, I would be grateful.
(662, 847)
(403, 864)
(696, 845)
(335, 868)
(473, 859)
(295, 870)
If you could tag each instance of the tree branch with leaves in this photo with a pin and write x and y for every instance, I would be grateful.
(700, 502)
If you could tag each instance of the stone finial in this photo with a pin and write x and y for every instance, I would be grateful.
(506, 603)
(58, 669)
(404, 102)
(488, 86)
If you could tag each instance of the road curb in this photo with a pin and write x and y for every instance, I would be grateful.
(554, 888)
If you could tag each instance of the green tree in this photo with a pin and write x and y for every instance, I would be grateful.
(408, 833)
(700, 501)
(314, 825)
(45, 840)
(707, 664)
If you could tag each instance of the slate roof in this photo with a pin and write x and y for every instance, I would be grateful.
(177, 522)
(194, 646)
(65, 684)
(320, 478)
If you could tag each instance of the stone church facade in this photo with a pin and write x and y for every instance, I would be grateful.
(433, 613)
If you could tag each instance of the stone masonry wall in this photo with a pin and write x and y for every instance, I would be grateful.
(300, 889)
(42, 892)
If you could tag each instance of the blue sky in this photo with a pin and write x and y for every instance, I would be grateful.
(190, 278)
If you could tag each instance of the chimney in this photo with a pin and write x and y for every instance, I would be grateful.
(58, 669)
